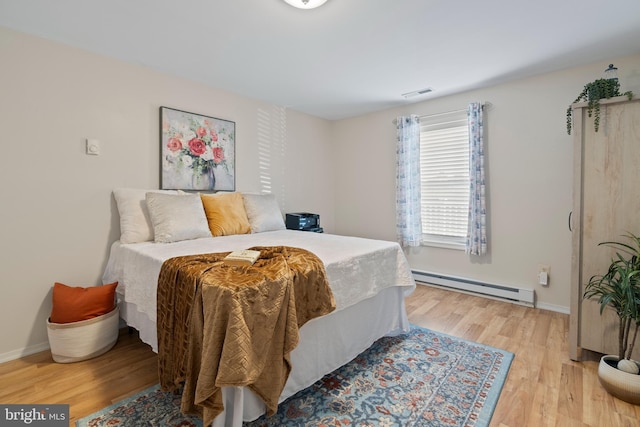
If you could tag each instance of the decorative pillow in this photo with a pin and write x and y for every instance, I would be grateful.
(177, 217)
(225, 213)
(135, 224)
(263, 212)
(74, 304)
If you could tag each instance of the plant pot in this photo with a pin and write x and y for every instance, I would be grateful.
(620, 384)
(77, 341)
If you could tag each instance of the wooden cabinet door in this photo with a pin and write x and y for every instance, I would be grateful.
(608, 208)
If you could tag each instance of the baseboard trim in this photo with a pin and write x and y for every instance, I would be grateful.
(553, 307)
(22, 352)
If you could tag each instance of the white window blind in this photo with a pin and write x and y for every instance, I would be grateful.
(444, 169)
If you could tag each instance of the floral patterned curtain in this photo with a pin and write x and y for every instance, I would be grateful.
(408, 220)
(477, 231)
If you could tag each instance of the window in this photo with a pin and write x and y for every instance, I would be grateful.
(444, 182)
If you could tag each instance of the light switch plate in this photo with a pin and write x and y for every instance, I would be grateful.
(93, 147)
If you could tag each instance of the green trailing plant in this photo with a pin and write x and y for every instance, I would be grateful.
(619, 288)
(592, 93)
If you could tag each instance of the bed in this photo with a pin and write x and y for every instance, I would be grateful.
(369, 280)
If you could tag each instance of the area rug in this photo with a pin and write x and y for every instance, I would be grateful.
(150, 407)
(422, 378)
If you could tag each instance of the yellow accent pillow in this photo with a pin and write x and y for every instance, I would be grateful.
(225, 214)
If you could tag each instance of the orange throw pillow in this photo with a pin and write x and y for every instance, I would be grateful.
(73, 304)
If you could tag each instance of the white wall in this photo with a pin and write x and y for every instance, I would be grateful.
(58, 215)
(529, 169)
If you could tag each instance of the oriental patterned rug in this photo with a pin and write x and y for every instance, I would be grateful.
(422, 378)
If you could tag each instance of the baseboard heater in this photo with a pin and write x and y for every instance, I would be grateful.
(517, 295)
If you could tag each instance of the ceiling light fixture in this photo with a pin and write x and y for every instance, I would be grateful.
(306, 4)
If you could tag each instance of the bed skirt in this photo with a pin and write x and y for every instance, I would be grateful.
(326, 343)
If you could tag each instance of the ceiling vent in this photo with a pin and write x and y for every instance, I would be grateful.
(417, 92)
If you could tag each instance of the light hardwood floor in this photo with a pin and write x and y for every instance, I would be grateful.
(543, 388)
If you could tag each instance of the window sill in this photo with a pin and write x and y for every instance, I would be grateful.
(443, 245)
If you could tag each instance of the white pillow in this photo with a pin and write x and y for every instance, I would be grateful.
(263, 212)
(177, 217)
(135, 224)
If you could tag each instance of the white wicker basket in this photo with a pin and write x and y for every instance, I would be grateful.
(73, 342)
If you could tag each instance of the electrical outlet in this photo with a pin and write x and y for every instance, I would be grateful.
(543, 274)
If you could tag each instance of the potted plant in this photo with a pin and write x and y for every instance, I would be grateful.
(593, 92)
(619, 288)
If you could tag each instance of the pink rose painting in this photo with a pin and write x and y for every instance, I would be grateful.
(197, 152)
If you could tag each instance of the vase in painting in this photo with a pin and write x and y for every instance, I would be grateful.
(206, 180)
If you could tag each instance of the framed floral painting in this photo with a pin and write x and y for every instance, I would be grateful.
(196, 152)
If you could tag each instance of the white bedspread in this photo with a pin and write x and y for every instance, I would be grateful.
(357, 268)
(369, 279)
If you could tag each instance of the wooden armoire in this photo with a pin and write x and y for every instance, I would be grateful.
(606, 206)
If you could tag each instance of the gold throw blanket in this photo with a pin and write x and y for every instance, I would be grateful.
(221, 325)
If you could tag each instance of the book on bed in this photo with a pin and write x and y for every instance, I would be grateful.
(242, 257)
